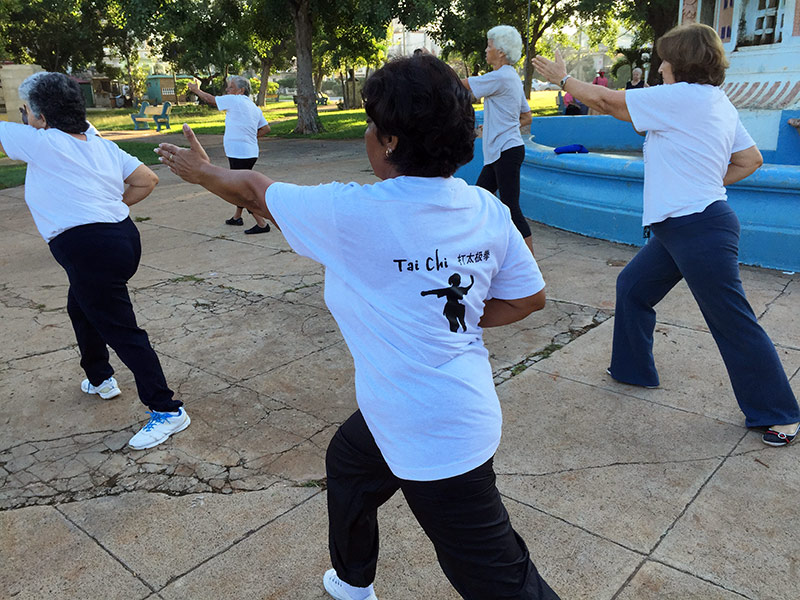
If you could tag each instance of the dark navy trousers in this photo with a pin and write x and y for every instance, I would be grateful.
(464, 517)
(702, 248)
(99, 259)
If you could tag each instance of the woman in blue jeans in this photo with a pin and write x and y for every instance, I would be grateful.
(695, 146)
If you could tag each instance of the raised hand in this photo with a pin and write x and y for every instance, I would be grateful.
(187, 163)
(553, 71)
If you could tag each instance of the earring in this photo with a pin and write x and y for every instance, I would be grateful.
(389, 152)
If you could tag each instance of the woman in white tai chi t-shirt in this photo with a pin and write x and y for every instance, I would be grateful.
(415, 266)
(78, 187)
(505, 110)
(695, 146)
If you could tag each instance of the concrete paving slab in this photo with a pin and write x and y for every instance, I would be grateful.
(38, 330)
(328, 391)
(577, 563)
(693, 376)
(655, 580)
(780, 319)
(618, 466)
(284, 559)
(739, 533)
(69, 565)
(198, 526)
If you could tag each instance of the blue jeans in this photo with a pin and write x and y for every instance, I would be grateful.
(702, 248)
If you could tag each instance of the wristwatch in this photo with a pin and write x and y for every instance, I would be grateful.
(564, 81)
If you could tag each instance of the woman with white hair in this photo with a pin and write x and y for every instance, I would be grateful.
(505, 110)
(244, 124)
(636, 81)
(78, 187)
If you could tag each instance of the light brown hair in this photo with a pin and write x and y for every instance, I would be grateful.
(695, 53)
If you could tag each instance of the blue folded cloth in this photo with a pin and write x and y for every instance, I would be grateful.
(571, 148)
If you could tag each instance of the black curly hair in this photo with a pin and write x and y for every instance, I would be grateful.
(421, 101)
(58, 99)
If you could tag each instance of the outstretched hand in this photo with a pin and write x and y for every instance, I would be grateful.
(187, 163)
(553, 71)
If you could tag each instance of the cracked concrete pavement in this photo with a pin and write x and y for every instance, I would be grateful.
(621, 493)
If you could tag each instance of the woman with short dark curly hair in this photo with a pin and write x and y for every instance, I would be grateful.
(415, 266)
(695, 146)
(78, 187)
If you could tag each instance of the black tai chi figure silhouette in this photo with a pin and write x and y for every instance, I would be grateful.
(453, 309)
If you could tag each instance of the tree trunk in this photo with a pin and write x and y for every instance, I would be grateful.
(344, 87)
(661, 17)
(526, 85)
(132, 88)
(266, 67)
(353, 98)
(318, 76)
(307, 117)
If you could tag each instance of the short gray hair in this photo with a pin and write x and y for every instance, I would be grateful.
(56, 98)
(508, 40)
(26, 91)
(243, 83)
(637, 69)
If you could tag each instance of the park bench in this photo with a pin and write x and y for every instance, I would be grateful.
(159, 116)
(320, 98)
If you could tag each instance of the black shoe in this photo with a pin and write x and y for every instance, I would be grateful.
(776, 438)
(258, 229)
(232, 221)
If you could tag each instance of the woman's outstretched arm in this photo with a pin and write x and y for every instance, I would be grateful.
(598, 97)
(240, 187)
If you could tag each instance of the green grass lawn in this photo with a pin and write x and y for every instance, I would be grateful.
(282, 117)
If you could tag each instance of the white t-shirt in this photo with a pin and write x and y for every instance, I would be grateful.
(243, 119)
(426, 392)
(69, 182)
(503, 102)
(692, 130)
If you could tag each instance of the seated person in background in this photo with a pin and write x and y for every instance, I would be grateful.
(572, 106)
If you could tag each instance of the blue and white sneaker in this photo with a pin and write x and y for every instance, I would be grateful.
(160, 426)
(106, 390)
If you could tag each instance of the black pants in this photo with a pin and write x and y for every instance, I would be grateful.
(503, 175)
(242, 164)
(464, 517)
(99, 260)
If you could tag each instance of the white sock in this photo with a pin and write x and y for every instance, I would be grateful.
(357, 593)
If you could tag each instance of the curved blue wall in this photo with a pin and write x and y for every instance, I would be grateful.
(600, 195)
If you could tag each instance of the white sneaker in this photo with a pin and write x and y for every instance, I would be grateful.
(160, 426)
(338, 588)
(106, 390)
